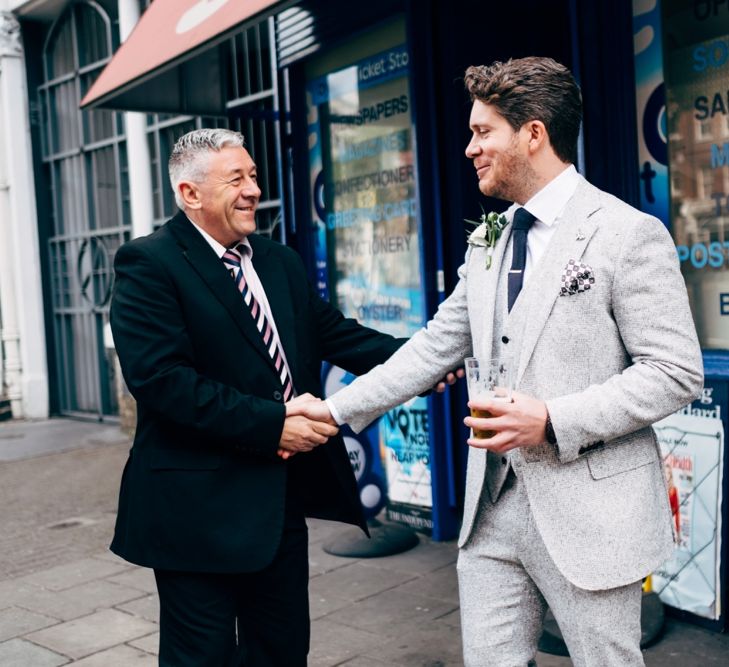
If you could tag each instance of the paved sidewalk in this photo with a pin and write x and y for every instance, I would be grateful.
(99, 611)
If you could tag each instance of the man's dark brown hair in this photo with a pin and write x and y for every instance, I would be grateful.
(532, 89)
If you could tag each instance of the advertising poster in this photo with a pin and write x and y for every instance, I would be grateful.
(696, 69)
(368, 252)
(692, 443)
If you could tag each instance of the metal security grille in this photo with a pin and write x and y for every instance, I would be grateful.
(163, 130)
(253, 108)
(85, 155)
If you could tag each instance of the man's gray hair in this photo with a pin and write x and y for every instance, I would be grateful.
(189, 159)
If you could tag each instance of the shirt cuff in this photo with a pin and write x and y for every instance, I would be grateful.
(335, 413)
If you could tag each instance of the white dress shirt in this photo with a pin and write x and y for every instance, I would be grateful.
(547, 206)
(254, 283)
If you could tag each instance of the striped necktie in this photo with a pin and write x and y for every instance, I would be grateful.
(233, 260)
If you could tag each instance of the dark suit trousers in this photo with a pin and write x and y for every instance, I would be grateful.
(253, 619)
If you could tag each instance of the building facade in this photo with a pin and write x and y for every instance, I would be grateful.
(356, 116)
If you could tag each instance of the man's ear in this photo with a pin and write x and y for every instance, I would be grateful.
(538, 136)
(190, 194)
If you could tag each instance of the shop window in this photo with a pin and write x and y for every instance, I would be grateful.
(703, 130)
(696, 73)
(676, 183)
(366, 222)
(706, 183)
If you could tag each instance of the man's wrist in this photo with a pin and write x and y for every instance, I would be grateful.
(334, 413)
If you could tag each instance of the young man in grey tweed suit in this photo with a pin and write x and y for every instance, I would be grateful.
(566, 505)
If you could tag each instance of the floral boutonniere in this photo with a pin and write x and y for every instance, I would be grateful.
(487, 233)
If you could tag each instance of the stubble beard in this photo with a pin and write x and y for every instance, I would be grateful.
(517, 180)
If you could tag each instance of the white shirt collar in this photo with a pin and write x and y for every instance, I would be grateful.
(219, 248)
(547, 205)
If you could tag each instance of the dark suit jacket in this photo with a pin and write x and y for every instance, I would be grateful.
(203, 489)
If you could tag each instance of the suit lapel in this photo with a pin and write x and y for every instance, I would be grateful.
(202, 258)
(489, 280)
(272, 275)
(570, 239)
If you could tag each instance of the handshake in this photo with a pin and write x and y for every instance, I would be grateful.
(308, 424)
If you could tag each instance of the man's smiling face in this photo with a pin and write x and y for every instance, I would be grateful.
(229, 195)
(499, 154)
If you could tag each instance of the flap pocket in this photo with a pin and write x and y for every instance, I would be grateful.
(183, 459)
(622, 454)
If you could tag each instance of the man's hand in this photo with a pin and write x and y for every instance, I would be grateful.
(310, 406)
(301, 434)
(517, 424)
(450, 379)
(314, 412)
(295, 405)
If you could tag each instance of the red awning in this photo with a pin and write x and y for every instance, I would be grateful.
(169, 33)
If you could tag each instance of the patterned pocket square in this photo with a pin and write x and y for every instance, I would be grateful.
(576, 277)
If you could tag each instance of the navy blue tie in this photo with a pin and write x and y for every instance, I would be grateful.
(521, 224)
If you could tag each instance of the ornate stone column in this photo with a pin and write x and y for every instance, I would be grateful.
(24, 374)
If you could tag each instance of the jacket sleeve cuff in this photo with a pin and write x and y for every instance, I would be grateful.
(568, 442)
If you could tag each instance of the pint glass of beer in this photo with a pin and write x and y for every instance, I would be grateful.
(487, 379)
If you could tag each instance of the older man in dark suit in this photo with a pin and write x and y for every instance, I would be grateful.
(217, 331)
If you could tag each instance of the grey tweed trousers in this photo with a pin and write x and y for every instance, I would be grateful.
(506, 580)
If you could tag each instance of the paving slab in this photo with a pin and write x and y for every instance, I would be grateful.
(141, 578)
(150, 643)
(426, 557)
(15, 622)
(453, 619)
(391, 613)
(320, 562)
(119, 656)
(72, 574)
(441, 584)
(73, 602)
(91, 634)
(685, 644)
(320, 606)
(21, 653)
(320, 530)
(146, 607)
(21, 439)
(356, 581)
(58, 508)
(110, 556)
(548, 660)
(365, 662)
(431, 643)
(333, 643)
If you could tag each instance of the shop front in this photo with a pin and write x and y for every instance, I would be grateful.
(366, 131)
(364, 134)
(682, 77)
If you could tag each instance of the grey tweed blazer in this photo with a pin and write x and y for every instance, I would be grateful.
(609, 361)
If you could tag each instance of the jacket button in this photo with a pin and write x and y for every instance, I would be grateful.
(504, 339)
(277, 395)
